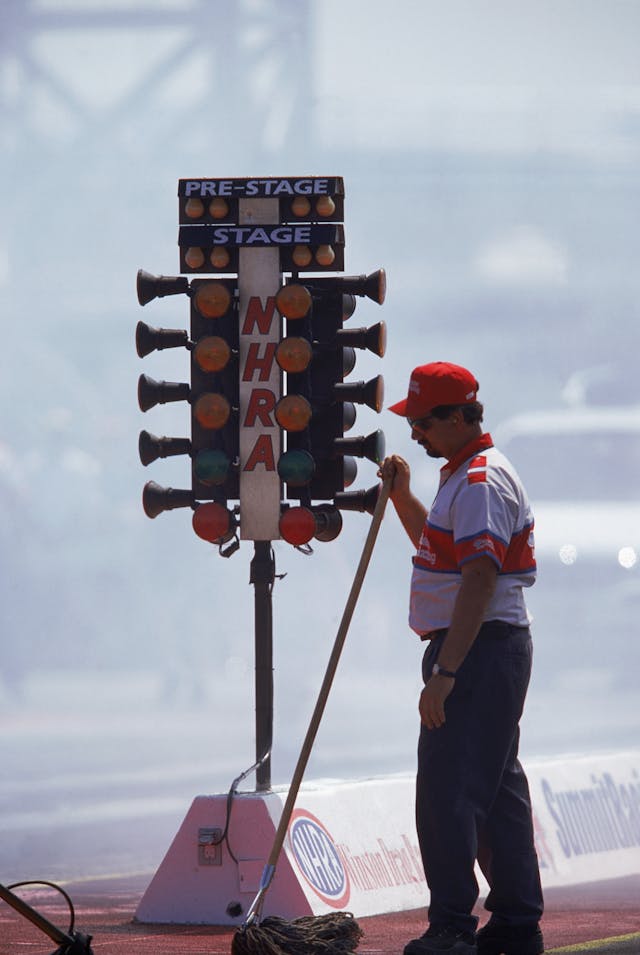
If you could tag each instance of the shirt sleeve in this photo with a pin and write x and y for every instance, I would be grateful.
(483, 523)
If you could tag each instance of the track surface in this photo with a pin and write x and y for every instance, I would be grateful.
(598, 919)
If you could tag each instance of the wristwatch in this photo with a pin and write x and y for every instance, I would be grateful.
(440, 671)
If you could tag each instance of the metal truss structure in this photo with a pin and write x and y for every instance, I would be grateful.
(207, 69)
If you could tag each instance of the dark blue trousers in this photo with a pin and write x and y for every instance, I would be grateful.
(472, 796)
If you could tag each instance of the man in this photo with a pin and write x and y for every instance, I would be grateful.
(474, 556)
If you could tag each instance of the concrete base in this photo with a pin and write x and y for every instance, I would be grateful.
(349, 846)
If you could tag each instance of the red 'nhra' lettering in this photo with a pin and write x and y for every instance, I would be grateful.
(259, 363)
(260, 315)
(262, 453)
(261, 403)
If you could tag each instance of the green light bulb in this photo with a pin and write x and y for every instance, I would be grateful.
(296, 467)
(212, 466)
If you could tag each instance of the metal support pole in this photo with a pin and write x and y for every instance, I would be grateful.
(262, 576)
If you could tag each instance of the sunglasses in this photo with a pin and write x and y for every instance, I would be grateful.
(422, 423)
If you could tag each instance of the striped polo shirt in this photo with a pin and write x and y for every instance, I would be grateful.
(481, 509)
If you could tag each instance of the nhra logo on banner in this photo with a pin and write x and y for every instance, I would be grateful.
(318, 859)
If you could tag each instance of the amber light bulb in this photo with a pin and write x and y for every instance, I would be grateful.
(212, 300)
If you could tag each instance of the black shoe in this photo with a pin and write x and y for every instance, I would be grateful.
(438, 939)
(495, 939)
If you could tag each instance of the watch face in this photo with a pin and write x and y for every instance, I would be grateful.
(438, 669)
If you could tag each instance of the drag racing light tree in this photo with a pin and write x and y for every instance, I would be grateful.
(214, 407)
(212, 396)
(294, 413)
(317, 354)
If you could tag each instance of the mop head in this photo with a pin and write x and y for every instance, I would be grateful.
(332, 934)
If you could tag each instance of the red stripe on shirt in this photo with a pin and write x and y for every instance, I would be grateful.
(436, 550)
(477, 470)
(520, 556)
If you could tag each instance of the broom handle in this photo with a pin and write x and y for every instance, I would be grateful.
(332, 666)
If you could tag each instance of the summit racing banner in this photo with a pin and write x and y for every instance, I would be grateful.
(258, 236)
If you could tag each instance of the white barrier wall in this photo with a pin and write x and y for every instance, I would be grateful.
(587, 817)
(352, 845)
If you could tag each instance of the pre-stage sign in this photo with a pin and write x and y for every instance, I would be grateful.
(271, 188)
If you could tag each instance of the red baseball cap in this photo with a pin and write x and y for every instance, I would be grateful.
(439, 383)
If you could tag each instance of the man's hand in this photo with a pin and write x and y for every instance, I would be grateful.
(410, 510)
(432, 701)
(476, 589)
(398, 470)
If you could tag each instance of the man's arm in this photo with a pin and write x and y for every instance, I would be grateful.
(410, 510)
(478, 584)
